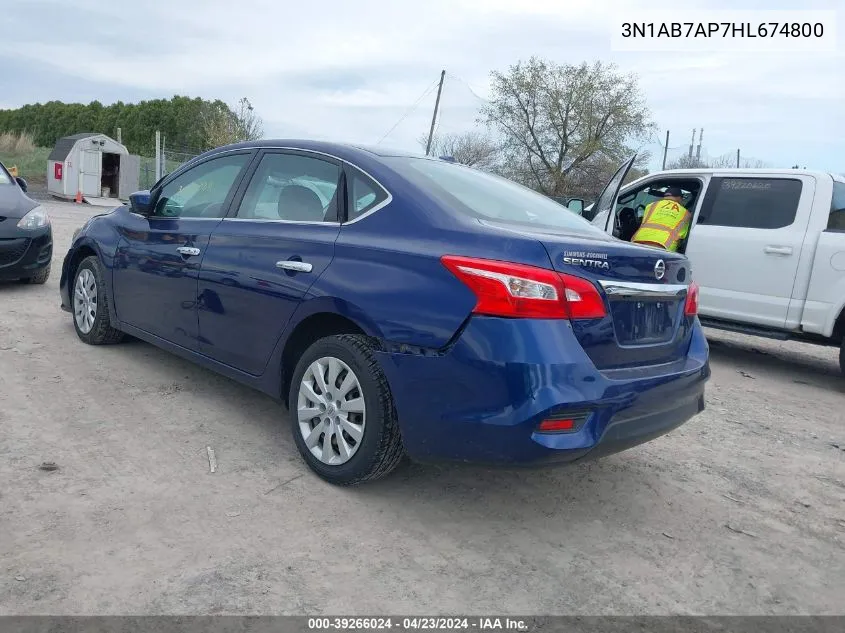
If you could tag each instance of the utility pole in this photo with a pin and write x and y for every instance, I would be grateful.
(691, 144)
(737, 159)
(698, 150)
(665, 149)
(119, 135)
(434, 116)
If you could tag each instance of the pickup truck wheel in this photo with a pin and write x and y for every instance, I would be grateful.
(842, 356)
(90, 305)
(342, 413)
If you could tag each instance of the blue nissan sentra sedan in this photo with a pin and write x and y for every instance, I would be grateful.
(398, 305)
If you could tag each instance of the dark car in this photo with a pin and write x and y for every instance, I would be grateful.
(26, 237)
(398, 305)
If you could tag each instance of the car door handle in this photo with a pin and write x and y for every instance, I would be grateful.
(778, 250)
(289, 264)
(188, 251)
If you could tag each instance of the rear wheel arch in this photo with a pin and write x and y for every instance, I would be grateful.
(344, 422)
(838, 337)
(311, 329)
(838, 334)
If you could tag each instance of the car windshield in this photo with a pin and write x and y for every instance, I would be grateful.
(488, 197)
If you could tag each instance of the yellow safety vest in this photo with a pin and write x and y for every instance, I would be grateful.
(665, 224)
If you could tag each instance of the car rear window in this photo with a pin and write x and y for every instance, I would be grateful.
(488, 197)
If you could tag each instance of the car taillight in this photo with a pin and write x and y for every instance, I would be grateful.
(582, 298)
(517, 290)
(691, 306)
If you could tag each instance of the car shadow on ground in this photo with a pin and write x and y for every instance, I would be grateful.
(16, 286)
(788, 362)
(476, 489)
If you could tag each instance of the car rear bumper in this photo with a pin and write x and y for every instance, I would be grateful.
(24, 254)
(483, 399)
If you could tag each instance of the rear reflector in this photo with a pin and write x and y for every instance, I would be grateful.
(691, 306)
(556, 425)
(517, 290)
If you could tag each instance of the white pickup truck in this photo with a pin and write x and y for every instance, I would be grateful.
(767, 247)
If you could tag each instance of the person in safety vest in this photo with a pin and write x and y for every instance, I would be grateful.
(665, 223)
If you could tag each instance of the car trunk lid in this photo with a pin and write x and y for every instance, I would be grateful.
(644, 290)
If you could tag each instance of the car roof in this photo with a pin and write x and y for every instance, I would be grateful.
(341, 150)
(740, 171)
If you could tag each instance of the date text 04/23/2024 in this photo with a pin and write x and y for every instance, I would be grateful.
(417, 624)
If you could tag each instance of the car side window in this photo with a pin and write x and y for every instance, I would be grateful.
(364, 194)
(201, 192)
(755, 203)
(836, 220)
(293, 188)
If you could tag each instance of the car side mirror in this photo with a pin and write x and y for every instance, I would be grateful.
(139, 202)
(576, 205)
(22, 183)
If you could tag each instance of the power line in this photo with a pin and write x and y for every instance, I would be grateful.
(465, 83)
(656, 141)
(410, 110)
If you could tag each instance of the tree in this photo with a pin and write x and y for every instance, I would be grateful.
(691, 162)
(587, 183)
(726, 161)
(181, 120)
(224, 126)
(473, 148)
(555, 119)
(249, 124)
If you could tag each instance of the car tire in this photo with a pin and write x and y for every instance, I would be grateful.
(95, 327)
(39, 278)
(366, 407)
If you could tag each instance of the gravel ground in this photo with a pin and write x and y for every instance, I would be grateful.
(740, 511)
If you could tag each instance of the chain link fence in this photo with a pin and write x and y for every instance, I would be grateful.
(172, 158)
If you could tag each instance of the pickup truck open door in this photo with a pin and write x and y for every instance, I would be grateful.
(602, 210)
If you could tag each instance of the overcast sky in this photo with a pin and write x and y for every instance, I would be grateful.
(350, 71)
